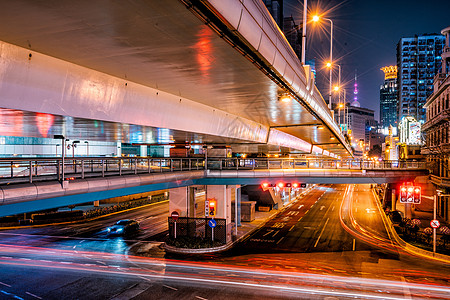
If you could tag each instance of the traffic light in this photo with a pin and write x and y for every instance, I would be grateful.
(212, 207)
(295, 185)
(410, 194)
(417, 194)
(403, 194)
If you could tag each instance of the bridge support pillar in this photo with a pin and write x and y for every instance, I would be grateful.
(394, 201)
(179, 201)
(222, 194)
(143, 151)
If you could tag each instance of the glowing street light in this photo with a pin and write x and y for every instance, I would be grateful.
(316, 19)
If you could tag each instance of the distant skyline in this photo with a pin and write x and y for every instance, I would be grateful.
(365, 37)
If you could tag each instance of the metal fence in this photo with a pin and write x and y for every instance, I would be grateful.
(198, 228)
(289, 163)
(16, 170)
(42, 169)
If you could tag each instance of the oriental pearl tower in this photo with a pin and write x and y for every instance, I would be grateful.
(355, 102)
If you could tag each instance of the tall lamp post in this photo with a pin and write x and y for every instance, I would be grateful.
(315, 19)
(87, 148)
(305, 6)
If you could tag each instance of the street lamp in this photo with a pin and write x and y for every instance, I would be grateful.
(74, 145)
(87, 148)
(316, 19)
(63, 143)
(305, 6)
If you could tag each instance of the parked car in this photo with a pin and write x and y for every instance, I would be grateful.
(123, 227)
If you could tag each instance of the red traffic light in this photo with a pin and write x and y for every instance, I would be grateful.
(403, 189)
(417, 190)
(295, 185)
(280, 185)
(265, 185)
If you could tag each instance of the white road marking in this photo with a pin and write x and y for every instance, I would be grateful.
(322, 207)
(268, 232)
(354, 244)
(33, 295)
(198, 297)
(292, 227)
(169, 287)
(2, 283)
(332, 208)
(321, 232)
(280, 240)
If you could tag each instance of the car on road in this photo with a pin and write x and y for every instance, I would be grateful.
(123, 227)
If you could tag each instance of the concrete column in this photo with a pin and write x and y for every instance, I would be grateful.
(179, 201)
(408, 210)
(237, 199)
(143, 151)
(394, 200)
(222, 194)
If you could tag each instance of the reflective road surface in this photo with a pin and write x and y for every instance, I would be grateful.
(334, 243)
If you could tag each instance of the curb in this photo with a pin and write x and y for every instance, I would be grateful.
(408, 247)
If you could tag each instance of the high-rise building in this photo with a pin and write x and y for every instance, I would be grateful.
(389, 99)
(293, 34)
(437, 131)
(418, 60)
(275, 7)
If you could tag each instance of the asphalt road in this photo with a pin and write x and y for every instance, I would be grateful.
(331, 244)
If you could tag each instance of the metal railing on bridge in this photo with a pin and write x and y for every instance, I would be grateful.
(44, 169)
(16, 170)
(293, 163)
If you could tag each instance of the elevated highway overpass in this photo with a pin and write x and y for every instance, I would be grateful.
(159, 72)
(94, 179)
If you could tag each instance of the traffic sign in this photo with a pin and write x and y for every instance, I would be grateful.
(435, 223)
(175, 215)
(212, 223)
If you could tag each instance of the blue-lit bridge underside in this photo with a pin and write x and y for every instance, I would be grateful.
(99, 179)
(154, 72)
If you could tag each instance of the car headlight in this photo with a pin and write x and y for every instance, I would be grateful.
(108, 229)
(120, 230)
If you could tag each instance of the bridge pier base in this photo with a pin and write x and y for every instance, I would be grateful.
(223, 195)
(179, 201)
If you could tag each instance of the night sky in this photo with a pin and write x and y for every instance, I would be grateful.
(365, 37)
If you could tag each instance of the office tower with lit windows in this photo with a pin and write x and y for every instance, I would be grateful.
(275, 8)
(389, 99)
(293, 34)
(418, 60)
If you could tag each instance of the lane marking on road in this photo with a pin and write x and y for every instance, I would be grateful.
(407, 293)
(332, 209)
(2, 283)
(33, 295)
(354, 244)
(170, 287)
(321, 232)
(322, 207)
(198, 297)
(280, 240)
(292, 227)
(268, 232)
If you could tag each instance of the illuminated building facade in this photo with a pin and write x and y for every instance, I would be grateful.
(293, 34)
(275, 8)
(418, 60)
(389, 99)
(437, 130)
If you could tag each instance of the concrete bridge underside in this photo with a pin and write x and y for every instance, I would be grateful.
(158, 72)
